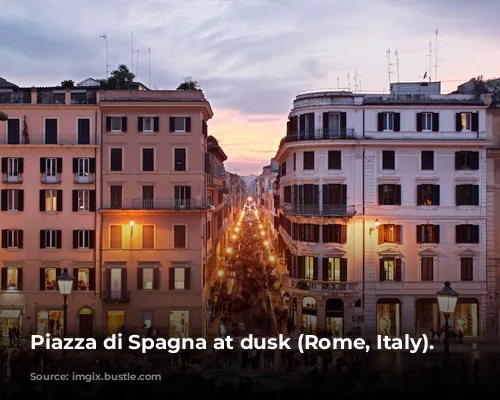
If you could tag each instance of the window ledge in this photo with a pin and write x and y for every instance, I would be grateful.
(12, 212)
(82, 250)
(467, 208)
(49, 250)
(13, 249)
(52, 212)
(428, 245)
(428, 208)
(116, 133)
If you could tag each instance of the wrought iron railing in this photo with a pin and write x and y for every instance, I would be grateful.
(319, 210)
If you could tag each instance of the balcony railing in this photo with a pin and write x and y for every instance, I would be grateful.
(116, 296)
(341, 288)
(320, 134)
(15, 97)
(51, 178)
(37, 138)
(89, 178)
(50, 98)
(157, 204)
(317, 210)
(6, 178)
(84, 98)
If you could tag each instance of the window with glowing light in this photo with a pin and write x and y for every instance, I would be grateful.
(309, 268)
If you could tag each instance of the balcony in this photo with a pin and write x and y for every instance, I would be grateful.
(6, 178)
(152, 95)
(319, 211)
(51, 179)
(333, 288)
(83, 98)
(320, 134)
(84, 179)
(15, 97)
(51, 98)
(158, 204)
(115, 296)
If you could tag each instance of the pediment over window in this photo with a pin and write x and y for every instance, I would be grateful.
(390, 253)
(467, 253)
(334, 252)
(428, 253)
(304, 250)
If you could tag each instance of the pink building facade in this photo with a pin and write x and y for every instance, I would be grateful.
(49, 157)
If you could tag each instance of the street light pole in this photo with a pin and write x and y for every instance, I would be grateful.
(65, 316)
(446, 338)
(447, 301)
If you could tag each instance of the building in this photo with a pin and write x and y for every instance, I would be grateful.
(382, 199)
(154, 206)
(268, 189)
(49, 157)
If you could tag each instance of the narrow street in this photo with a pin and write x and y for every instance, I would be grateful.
(244, 308)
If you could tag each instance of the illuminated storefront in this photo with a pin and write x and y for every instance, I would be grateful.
(9, 319)
(179, 323)
(309, 314)
(389, 317)
(50, 321)
(467, 317)
(334, 311)
(115, 320)
(427, 316)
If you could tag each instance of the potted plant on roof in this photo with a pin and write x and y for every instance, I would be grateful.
(67, 84)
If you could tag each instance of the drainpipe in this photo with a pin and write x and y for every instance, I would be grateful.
(100, 202)
(364, 217)
(97, 210)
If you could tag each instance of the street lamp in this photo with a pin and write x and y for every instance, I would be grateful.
(447, 301)
(65, 284)
(266, 243)
(229, 250)
(220, 273)
(234, 237)
(272, 258)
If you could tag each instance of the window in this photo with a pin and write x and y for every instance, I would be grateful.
(466, 119)
(84, 168)
(148, 160)
(466, 268)
(180, 278)
(51, 168)
(428, 195)
(390, 269)
(51, 131)
(466, 160)
(50, 239)
(467, 195)
(427, 161)
(12, 200)
(116, 196)
(389, 233)
(426, 122)
(467, 233)
(428, 233)
(115, 236)
(182, 196)
(180, 124)
(148, 124)
(12, 239)
(180, 160)
(336, 269)
(309, 268)
(116, 160)
(116, 124)
(308, 233)
(83, 239)
(148, 278)
(389, 195)
(334, 159)
(83, 279)
(83, 131)
(179, 236)
(294, 162)
(308, 160)
(148, 236)
(12, 168)
(11, 278)
(83, 200)
(148, 196)
(335, 233)
(147, 319)
(50, 278)
(388, 160)
(13, 131)
(388, 121)
(51, 200)
(427, 268)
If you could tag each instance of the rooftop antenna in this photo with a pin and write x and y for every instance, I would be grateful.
(137, 65)
(105, 37)
(397, 64)
(149, 67)
(436, 57)
(348, 82)
(132, 51)
(338, 83)
(389, 65)
(355, 80)
(430, 61)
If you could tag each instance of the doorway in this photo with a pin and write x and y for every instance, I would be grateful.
(86, 323)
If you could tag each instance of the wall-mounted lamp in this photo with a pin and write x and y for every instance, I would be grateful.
(377, 224)
(131, 223)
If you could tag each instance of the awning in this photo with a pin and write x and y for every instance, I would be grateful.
(10, 314)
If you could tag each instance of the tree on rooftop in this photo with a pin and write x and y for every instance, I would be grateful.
(67, 84)
(189, 84)
(120, 79)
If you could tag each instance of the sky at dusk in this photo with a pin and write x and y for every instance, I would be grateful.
(251, 57)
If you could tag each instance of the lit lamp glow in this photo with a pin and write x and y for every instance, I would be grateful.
(229, 250)
(272, 258)
(260, 226)
(234, 237)
(266, 243)
(262, 233)
(377, 223)
(131, 223)
(220, 273)
(249, 198)
(236, 229)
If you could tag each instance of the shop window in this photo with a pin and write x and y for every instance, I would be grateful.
(115, 320)
(51, 322)
(83, 278)
(388, 318)
(50, 279)
(179, 324)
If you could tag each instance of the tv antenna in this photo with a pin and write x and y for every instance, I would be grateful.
(436, 57)
(338, 83)
(397, 65)
(389, 65)
(348, 82)
(105, 37)
(137, 64)
(132, 51)
(430, 61)
(357, 83)
(149, 67)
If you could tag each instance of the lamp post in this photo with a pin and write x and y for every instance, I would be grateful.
(65, 284)
(447, 301)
